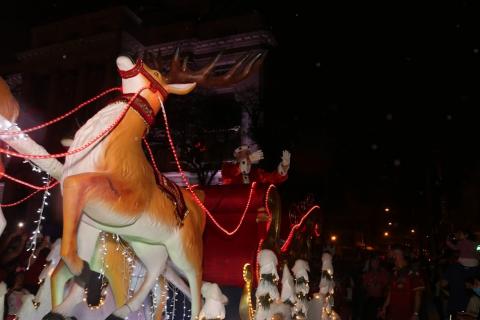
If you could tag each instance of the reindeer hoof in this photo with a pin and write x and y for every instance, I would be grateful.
(56, 316)
(94, 289)
(83, 278)
(113, 317)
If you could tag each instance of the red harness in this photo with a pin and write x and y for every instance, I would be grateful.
(141, 105)
(171, 190)
(138, 68)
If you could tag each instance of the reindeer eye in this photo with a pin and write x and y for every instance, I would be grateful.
(156, 74)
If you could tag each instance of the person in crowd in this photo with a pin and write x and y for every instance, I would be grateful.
(10, 251)
(473, 307)
(375, 281)
(440, 293)
(466, 247)
(404, 297)
(15, 295)
(457, 273)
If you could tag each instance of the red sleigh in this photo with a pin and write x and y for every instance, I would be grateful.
(225, 255)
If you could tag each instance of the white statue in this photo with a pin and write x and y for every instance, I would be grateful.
(302, 288)
(267, 291)
(215, 301)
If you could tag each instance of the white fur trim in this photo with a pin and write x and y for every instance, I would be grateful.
(268, 262)
(214, 307)
(300, 269)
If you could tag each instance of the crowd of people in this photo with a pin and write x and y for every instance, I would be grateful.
(20, 268)
(403, 285)
(392, 285)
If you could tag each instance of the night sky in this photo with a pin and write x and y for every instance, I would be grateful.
(377, 101)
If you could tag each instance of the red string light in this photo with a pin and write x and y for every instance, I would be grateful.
(58, 155)
(267, 208)
(32, 186)
(316, 230)
(190, 189)
(79, 149)
(259, 248)
(295, 227)
(152, 159)
(270, 216)
(46, 124)
(13, 204)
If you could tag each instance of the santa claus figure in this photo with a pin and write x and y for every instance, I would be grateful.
(241, 171)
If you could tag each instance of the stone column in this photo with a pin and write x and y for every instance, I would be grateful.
(248, 97)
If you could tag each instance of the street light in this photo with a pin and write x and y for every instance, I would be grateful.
(20, 224)
(386, 234)
(387, 209)
(412, 231)
(333, 238)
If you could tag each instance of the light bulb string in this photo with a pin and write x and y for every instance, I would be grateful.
(70, 152)
(190, 187)
(32, 186)
(59, 118)
(13, 204)
(295, 227)
(101, 135)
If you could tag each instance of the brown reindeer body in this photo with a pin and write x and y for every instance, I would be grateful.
(116, 186)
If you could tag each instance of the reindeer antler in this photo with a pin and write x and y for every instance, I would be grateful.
(179, 72)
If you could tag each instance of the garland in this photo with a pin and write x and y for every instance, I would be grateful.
(271, 278)
(265, 301)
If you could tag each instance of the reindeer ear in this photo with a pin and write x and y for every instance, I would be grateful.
(124, 63)
(180, 88)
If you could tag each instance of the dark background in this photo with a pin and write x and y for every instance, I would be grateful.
(377, 101)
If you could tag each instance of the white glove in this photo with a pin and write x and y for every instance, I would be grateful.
(256, 156)
(285, 164)
(286, 158)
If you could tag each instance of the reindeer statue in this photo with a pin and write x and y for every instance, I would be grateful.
(88, 233)
(114, 184)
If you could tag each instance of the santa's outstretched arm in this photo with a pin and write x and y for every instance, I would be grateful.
(284, 165)
(22, 143)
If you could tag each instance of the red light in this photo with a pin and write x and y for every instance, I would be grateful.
(295, 227)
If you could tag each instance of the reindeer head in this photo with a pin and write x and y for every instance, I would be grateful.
(179, 80)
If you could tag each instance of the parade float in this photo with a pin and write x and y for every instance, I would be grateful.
(119, 210)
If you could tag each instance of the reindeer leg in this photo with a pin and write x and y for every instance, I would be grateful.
(177, 281)
(195, 281)
(117, 276)
(88, 236)
(154, 258)
(60, 276)
(74, 198)
(188, 258)
(162, 282)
